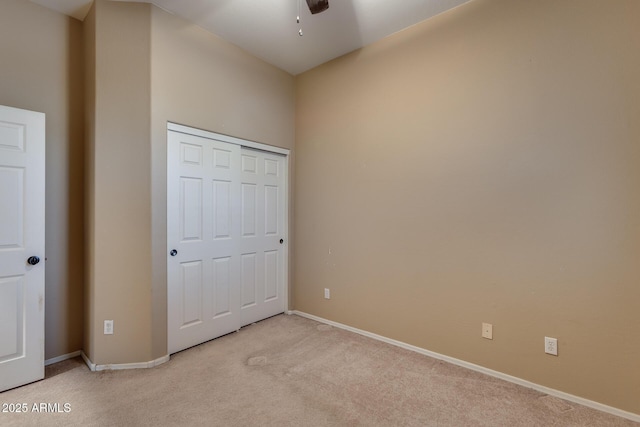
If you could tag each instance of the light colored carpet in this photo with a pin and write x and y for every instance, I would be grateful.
(288, 370)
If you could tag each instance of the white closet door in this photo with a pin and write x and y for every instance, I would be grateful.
(203, 230)
(22, 196)
(262, 242)
(225, 220)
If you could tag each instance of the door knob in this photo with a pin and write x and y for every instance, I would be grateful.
(173, 252)
(33, 260)
(281, 241)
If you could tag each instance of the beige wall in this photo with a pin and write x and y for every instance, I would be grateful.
(483, 166)
(42, 70)
(119, 180)
(202, 81)
(147, 67)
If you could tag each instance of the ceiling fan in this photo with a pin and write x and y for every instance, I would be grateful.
(317, 6)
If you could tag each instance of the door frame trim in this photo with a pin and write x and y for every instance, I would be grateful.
(230, 139)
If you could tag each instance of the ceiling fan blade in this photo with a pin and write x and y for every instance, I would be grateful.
(317, 6)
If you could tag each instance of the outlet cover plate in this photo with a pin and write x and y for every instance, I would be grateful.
(551, 346)
(487, 331)
(108, 327)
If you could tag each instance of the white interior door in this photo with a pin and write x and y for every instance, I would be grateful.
(22, 190)
(263, 224)
(225, 219)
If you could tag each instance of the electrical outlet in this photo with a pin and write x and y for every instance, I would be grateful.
(108, 327)
(551, 346)
(327, 293)
(487, 331)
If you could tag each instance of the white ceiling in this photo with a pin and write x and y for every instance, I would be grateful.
(268, 28)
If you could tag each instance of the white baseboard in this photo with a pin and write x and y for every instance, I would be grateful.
(90, 364)
(552, 392)
(62, 358)
(119, 366)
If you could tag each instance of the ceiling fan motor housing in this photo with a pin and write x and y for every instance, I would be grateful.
(317, 6)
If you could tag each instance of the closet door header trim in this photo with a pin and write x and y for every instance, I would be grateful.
(226, 138)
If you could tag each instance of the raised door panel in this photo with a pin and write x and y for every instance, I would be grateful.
(191, 206)
(271, 273)
(249, 271)
(222, 209)
(12, 207)
(12, 136)
(12, 312)
(222, 282)
(191, 286)
(271, 167)
(249, 206)
(271, 206)
(191, 154)
(249, 164)
(221, 158)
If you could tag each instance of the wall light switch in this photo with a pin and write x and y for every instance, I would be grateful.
(327, 293)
